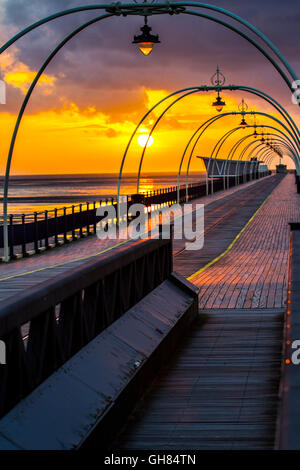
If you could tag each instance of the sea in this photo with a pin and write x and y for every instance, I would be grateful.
(36, 193)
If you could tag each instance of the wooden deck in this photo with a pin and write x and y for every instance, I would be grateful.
(238, 203)
(254, 272)
(220, 391)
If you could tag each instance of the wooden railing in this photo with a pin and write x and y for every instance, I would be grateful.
(43, 328)
(32, 233)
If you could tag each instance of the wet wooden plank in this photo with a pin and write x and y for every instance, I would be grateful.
(221, 389)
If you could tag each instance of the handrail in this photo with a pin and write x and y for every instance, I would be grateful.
(67, 312)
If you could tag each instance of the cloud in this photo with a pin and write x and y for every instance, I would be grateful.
(100, 84)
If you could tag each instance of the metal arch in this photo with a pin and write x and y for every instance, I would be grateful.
(282, 144)
(246, 113)
(152, 130)
(268, 148)
(269, 157)
(267, 153)
(275, 104)
(251, 143)
(263, 149)
(273, 134)
(208, 122)
(236, 145)
(221, 142)
(223, 139)
(20, 115)
(255, 91)
(136, 129)
(250, 135)
(245, 36)
(118, 9)
(261, 94)
(196, 89)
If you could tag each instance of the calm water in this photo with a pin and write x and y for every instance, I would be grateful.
(37, 193)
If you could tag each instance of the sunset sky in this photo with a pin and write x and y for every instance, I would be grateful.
(95, 91)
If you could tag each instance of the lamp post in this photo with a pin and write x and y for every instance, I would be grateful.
(145, 9)
(243, 107)
(218, 81)
(146, 40)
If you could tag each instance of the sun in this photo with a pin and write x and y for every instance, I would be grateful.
(142, 139)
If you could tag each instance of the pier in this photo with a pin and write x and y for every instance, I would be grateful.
(163, 315)
(220, 387)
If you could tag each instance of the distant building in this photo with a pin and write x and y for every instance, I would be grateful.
(281, 168)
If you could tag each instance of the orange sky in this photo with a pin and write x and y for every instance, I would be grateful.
(74, 140)
(69, 138)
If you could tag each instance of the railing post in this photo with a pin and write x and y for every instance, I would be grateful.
(56, 227)
(36, 233)
(80, 220)
(65, 225)
(73, 223)
(24, 236)
(87, 219)
(95, 220)
(46, 230)
(11, 236)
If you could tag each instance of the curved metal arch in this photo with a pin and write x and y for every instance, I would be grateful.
(250, 144)
(127, 9)
(264, 149)
(276, 105)
(246, 113)
(236, 145)
(284, 145)
(228, 134)
(251, 90)
(269, 158)
(152, 130)
(262, 145)
(273, 134)
(19, 118)
(181, 162)
(281, 139)
(284, 139)
(245, 36)
(261, 94)
(266, 154)
(254, 141)
(116, 10)
(249, 135)
(222, 140)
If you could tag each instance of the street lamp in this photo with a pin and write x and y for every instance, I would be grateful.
(243, 108)
(146, 40)
(218, 80)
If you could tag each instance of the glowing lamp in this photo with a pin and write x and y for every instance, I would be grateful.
(218, 104)
(146, 40)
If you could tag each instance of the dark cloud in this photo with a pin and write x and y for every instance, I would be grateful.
(101, 67)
